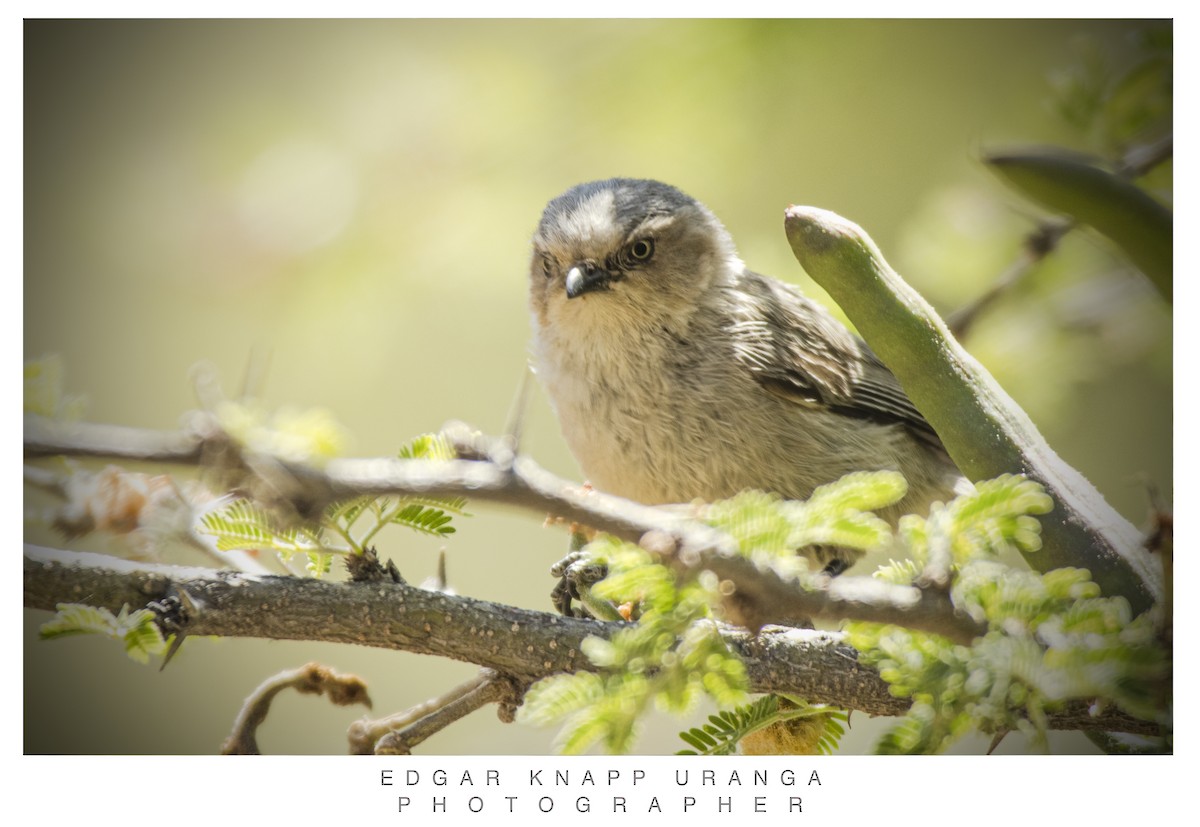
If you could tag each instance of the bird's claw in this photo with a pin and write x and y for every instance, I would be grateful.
(577, 573)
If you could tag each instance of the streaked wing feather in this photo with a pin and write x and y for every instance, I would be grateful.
(796, 350)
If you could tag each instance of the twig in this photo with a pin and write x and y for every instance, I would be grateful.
(521, 644)
(312, 678)
(365, 733)
(488, 687)
(515, 425)
(1042, 240)
(1141, 158)
(761, 596)
(44, 437)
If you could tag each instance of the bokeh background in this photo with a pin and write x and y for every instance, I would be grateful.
(346, 207)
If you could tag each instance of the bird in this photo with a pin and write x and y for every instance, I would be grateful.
(678, 374)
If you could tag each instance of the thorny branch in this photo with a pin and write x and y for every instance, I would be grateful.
(494, 474)
(521, 644)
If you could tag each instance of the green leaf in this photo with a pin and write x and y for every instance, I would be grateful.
(720, 736)
(295, 435)
(428, 446)
(861, 491)
(425, 520)
(995, 517)
(242, 524)
(1052, 638)
(1139, 225)
(554, 698)
(671, 657)
(724, 729)
(838, 514)
(137, 631)
(347, 512)
(576, 739)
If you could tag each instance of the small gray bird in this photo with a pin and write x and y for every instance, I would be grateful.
(678, 374)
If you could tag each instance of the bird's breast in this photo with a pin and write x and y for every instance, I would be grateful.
(645, 418)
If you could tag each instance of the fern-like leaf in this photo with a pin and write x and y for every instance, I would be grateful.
(559, 696)
(721, 734)
(244, 525)
(346, 512)
(452, 505)
(428, 446)
(726, 729)
(137, 631)
(424, 519)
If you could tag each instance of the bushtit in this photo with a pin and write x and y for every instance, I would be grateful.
(678, 374)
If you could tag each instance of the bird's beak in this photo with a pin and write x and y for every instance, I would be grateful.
(586, 277)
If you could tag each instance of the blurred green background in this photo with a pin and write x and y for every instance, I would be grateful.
(355, 200)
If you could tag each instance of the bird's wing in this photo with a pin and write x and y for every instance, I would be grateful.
(795, 349)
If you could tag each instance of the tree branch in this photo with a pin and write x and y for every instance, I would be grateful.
(488, 687)
(46, 437)
(365, 733)
(520, 644)
(761, 596)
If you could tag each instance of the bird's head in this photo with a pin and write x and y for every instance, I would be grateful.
(625, 251)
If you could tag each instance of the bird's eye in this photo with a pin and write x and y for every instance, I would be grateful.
(641, 250)
(547, 267)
